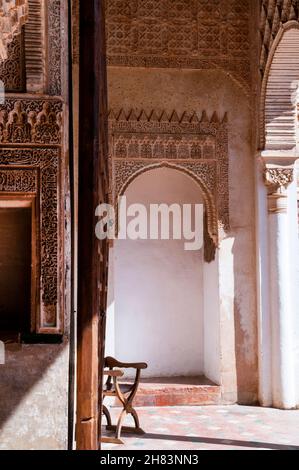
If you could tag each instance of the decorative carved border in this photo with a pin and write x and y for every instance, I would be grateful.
(12, 70)
(35, 51)
(37, 171)
(75, 31)
(54, 48)
(19, 180)
(197, 147)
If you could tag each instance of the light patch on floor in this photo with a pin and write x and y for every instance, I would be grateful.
(212, 428)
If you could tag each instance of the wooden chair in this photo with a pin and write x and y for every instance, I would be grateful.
(125, 393)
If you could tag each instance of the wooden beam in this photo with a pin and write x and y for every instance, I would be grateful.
(92, 191)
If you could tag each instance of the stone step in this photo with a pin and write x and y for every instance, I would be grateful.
(177, 391)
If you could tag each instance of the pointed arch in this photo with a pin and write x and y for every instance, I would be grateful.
(210, 208)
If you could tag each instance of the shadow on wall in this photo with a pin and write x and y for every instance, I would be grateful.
(34, 397)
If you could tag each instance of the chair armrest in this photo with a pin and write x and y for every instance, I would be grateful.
(111, 362)
(113, 373)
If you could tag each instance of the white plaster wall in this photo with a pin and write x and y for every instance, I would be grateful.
(228, 322)
(158, 291)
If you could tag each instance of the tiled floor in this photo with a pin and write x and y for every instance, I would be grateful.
(213, 428)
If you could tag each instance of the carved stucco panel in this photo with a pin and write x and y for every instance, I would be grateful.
(195, 34)
(19, 180)
(31, 121)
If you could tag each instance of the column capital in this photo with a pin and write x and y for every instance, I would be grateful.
(278, 168)
(277, 179)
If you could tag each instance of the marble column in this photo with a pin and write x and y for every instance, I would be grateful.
(278, 179)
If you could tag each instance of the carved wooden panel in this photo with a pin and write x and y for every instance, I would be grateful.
(31, 121)
(18, 180)
(193, 145)
(37, 171)
(180, 33)
(31, 163)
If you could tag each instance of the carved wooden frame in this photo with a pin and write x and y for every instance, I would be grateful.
(31, 163)
(46, 189)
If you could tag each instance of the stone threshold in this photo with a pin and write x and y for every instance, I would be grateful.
(177, 391)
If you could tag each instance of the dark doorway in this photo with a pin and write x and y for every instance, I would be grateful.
(15, 269)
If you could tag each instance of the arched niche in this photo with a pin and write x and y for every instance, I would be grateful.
(163, 301)
(193, 172)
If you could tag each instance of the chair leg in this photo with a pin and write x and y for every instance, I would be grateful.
(135, 417)
(107, 416)
(120, 423)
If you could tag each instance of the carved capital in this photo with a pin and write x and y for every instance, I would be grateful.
(277, 181)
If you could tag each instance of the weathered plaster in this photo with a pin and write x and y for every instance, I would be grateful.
(34, 397)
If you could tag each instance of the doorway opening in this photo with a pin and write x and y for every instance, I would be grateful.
(17, 280)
